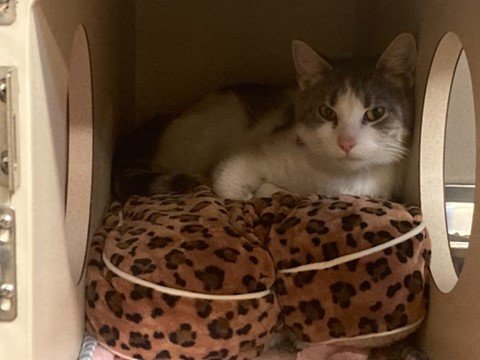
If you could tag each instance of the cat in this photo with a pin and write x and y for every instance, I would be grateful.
(341, 129)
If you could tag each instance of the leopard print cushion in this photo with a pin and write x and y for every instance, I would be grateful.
(202, 244)
(183, 242)
(376, 293)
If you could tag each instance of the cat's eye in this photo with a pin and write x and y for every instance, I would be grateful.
(375, 113)
(328, 113)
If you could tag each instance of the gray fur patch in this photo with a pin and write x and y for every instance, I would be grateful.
(369, 85)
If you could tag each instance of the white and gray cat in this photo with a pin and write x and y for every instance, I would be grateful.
(341, 130)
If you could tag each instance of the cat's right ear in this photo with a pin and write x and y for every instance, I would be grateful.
(310, 66)
(397, 62)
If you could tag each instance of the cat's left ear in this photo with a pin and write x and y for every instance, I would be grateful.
(397, 62)
(310, 66)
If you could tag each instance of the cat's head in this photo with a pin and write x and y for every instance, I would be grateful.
(357, 117)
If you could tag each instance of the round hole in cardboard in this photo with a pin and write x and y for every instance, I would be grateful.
(80, 154)
(460, 161)
(442, 85)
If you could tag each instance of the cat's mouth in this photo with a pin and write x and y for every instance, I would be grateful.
(352, 162)
(352, 158)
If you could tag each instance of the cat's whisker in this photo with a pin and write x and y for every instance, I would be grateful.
(395, 153)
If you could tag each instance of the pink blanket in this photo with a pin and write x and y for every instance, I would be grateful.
(316, 352)
(332, 352)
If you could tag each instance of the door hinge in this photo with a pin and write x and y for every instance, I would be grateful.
(8, 283)
(8, 12)
(9, 172)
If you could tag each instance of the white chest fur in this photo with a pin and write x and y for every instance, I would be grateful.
(284, 166)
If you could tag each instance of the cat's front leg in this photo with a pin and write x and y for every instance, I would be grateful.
(237, 178)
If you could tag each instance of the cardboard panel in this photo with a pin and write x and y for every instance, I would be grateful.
(432, 178)
(80, 154)
(56, 302)
(453, 321)
(185, 49)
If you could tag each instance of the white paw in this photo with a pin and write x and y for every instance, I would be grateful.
(232, 190)
(236, 179)
(238, 194)
(313, 197)
(267, 190)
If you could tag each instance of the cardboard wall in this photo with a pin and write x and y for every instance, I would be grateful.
(451, 329)
(185, 49)
(55, 299)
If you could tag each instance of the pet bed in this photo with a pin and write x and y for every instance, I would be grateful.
(194, 276)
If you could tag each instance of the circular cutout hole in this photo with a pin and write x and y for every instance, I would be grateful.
(80, 154)
(459, 170)
(448, 101)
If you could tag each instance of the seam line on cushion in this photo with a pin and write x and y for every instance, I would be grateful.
(346, 258)
(376, 335)
(178, 292)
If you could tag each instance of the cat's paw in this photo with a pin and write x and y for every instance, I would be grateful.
(234, 193)
(235, 179)
(231, 188)
(237, 194)
(267, 190)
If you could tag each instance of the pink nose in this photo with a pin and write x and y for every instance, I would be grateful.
(346, 144)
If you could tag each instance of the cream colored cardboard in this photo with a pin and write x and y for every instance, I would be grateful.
(432, 146)
(80, 153)
(52, 313)
(454, 319)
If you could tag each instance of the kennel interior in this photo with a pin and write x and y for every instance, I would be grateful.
(89, 71)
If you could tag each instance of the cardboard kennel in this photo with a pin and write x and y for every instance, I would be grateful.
(88, 71)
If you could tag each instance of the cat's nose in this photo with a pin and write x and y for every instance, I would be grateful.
(346, 143)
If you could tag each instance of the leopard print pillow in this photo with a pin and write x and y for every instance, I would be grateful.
(182, 242)
(344, 272)
(160, 281)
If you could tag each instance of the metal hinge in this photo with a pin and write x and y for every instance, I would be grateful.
(9, 173)
(9, 180)
(8, 296)
(8, 12)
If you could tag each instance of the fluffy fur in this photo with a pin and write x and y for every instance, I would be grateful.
(255, 140)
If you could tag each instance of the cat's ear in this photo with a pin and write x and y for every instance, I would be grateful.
(310, 66)
(397, 62)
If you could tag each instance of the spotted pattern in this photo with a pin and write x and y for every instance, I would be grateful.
(172, 237)
(200, 243)
(376, 293)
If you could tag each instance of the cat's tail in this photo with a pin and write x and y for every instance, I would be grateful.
(145, 182)
(132, 172)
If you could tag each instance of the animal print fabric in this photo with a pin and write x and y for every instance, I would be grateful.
(377, 293)
(204, 244)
